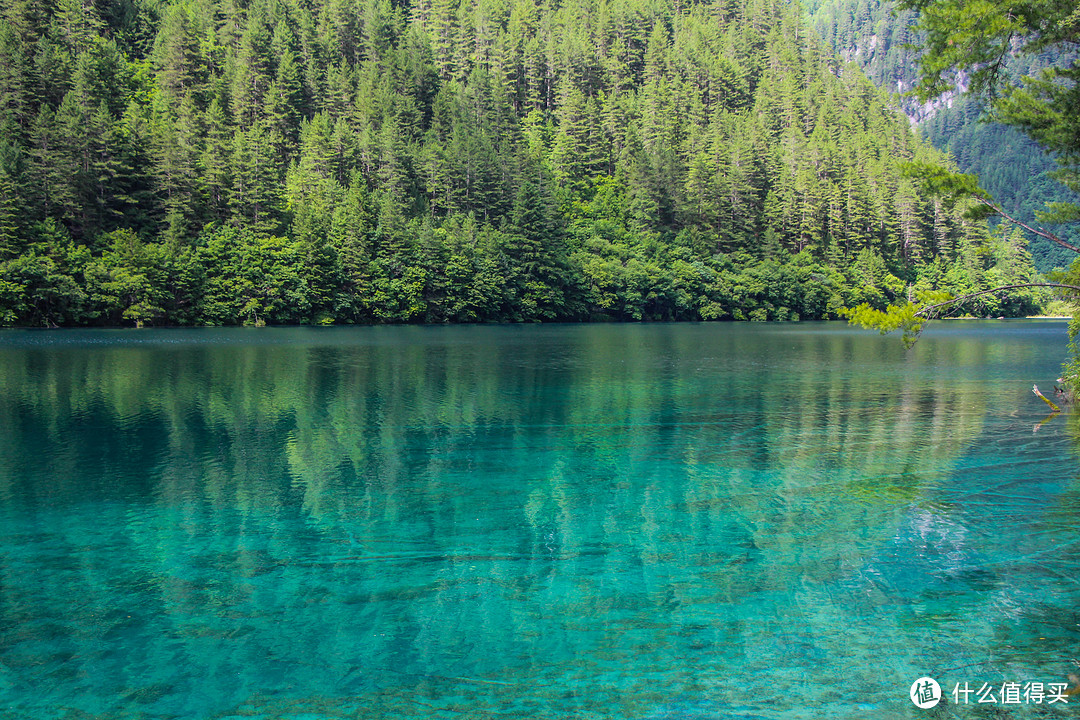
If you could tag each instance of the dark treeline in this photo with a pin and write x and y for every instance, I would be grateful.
(320, 161)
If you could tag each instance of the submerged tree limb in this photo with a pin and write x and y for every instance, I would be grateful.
(1035, 389)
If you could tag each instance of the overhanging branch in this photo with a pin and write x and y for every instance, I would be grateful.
(1040, 232)
(922, 312)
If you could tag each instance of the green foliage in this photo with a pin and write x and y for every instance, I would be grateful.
(940, 182)
(252, 279)
(896, 317)
(1071, 370)
(1018, 59)
(885, 41)
(46, 285)
(279, 161)
(130, 279)
(978, 40)
(1013, 169)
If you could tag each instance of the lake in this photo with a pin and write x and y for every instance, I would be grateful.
(595, 521)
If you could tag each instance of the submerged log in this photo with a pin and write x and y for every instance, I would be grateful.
(1035, 389)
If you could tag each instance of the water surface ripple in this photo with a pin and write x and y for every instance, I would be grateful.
(598, 521)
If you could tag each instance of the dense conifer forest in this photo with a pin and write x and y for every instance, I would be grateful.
(340, 161)
(881, 39)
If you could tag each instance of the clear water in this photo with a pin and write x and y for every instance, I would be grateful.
(596, 521)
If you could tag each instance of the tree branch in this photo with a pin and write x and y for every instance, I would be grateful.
(1043, 233)
(922, 312)
(1035, 389)
(995, 67)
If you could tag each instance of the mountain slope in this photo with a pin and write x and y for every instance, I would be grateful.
(1014, 169)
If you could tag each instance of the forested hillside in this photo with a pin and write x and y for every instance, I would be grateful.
(319, 161)
(1011, 167)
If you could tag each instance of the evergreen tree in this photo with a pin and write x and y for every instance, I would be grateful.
(372, 161)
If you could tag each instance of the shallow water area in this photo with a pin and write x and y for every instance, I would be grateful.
(599, 521)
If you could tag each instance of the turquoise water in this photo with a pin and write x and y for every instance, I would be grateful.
(596, 521)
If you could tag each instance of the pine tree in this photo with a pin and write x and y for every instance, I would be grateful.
(462, 160)
(255, 200)
(15, 95)
(215, 170)
(11, 194)
(176, 154)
